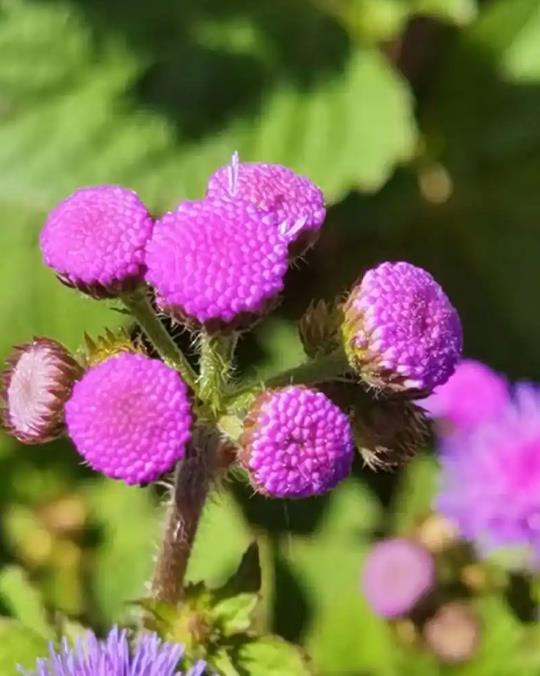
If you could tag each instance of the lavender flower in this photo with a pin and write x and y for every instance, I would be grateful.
(129, 417)
(297, 202)
(297, 443)
(400, 331)
(37, 381)
(216, 262)
(490, 478)
(113, 657)
(397, 575)
(474, 393)
(95, 240)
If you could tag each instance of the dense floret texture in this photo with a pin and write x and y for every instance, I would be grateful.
(297, 202)
(95, 239)
(37, 381)
(216, 262)
(129, 417)
(490, 478)
(400, 331)
(396, 576)
(298, 443)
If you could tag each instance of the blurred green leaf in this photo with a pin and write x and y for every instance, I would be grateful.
(269, 656)
(415, 494)
(19, 645)
(122, 562)
(24, 601)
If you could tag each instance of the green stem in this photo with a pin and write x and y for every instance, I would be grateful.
(317, 370)
(139, 306)
(216, 358)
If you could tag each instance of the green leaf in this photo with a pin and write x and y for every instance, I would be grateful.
(461, 12)
(234, 615)
(123, 561)
(24, 601)
(268, 655)
(19, 645)
(416, 492)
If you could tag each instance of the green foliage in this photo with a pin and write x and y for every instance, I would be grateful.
(23, 601)
(19, 645)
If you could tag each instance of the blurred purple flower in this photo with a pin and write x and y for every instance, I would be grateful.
(490, 478)
(397, 575)
(473, 394)
(112, 657)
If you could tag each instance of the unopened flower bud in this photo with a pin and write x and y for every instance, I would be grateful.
(95, 240)
(397, 575)
(37, 381)
(297, 443)
(453, 633)
(400, 331)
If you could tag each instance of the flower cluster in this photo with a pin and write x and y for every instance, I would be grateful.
(215, 265)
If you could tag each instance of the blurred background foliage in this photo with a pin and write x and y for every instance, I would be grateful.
(420, 121)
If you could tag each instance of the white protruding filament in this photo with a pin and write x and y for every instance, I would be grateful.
(290, 231)
(233, 172)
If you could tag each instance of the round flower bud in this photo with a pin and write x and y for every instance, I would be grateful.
(297, 443)
(37, 381)
(95, 240)
(397, 575)
(473, 394)
(297, 202)
(400, 331)
(217, 263)
(129, 417)
(453, 633)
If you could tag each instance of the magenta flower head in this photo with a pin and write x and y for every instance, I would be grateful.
(398, 574)
(297, 202)
(400, 331)
(490, 478)
(474, 393)
(113, 656)
(129, 417)
(297, 443)
(217, 263)
(95, 240)
(37, 381)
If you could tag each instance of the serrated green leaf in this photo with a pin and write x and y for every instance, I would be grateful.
(270, 656)
(19, 645)
(24, 601)
(234, 615)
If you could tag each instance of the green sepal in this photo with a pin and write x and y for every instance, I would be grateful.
(319, 328)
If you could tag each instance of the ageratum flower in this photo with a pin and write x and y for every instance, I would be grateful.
(400, 330)
(95, 240)
(490, 478)
(113, 656)
(297, 443)
(129, 417)
(397, 575)
(216, 263)
(297, 202)
(37, 381)
(474, 393)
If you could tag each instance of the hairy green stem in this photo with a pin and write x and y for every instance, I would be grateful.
(140, 308)
(193, 478)
(314, 371)
(216, 362)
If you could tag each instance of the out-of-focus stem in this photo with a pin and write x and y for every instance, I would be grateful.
(140, 308)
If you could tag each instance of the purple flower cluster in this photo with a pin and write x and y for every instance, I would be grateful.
(113, 656)
(209, 261)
